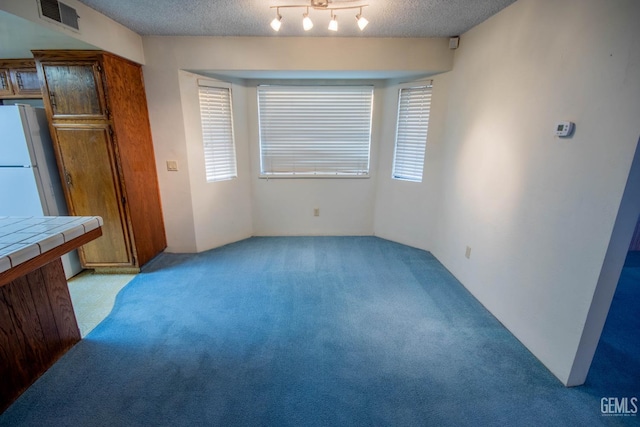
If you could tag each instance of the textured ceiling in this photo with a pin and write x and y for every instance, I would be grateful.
(388, 18)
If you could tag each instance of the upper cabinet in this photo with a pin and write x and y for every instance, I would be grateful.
(19, 79)
(5, 83)
(74, 89)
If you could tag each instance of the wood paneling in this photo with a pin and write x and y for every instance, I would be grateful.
(26, 332)
(60, 299)
(37, 326)
(14, 375)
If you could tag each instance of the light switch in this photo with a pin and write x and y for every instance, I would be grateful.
(172, 165)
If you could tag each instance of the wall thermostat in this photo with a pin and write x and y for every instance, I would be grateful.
(564, 128)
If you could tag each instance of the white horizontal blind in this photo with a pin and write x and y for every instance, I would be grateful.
(315, 131)
(414, 106)
(217, 133)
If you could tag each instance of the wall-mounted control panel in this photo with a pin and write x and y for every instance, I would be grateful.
(564, 128)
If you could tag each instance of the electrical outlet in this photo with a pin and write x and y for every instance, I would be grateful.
(316, 211)
(172, 165)
(467, 253)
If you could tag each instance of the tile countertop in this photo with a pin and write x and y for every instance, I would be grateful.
(24, 238)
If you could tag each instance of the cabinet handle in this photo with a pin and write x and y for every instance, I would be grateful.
(52, 98)
(19, 79)
(67, 177)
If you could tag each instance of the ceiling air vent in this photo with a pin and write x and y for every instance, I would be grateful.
(59, 12)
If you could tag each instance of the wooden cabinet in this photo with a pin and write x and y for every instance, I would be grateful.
(5, 83)
(25, 82)
(75, 90)
(95, 189)
(97, 111)
(19, 79)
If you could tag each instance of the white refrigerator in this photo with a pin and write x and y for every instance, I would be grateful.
(29, 179)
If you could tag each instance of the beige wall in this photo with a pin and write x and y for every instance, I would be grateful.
(200, 216)
(221, 210)
(95, 29)
(538, 211)
(407, 212)
(285, 206)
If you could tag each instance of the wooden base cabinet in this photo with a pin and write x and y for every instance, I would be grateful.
(97, 111)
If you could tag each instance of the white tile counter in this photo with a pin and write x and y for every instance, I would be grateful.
(24, 238)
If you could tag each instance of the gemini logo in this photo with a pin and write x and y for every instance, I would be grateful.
(623, 407)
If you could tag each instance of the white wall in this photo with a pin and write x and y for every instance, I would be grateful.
(194, 216)
(95, 29)
(406, 212)
(609, 275)
(264, 54)
(538, 211)
(221, 210)
(285, 206)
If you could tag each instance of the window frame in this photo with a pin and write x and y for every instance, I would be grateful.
(364, 171)
(209, 150)
(406, 176)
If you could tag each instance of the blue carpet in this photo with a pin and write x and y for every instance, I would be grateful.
(616, 365)
(302, 331)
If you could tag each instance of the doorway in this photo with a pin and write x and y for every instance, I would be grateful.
(615, 369)
(609, 348)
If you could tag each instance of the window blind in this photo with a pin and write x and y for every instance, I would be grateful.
(315, 131)
(414, 105)
(217, 133)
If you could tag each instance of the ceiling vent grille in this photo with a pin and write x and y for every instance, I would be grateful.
(60, 13)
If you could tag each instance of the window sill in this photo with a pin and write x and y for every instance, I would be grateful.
(305, 176)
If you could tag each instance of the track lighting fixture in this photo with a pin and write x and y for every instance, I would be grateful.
(277, 21)
(307, 23)
(333, 24)
(362, 21)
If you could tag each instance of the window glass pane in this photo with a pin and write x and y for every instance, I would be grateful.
(315, 131)
(414, 106)
(217, 133)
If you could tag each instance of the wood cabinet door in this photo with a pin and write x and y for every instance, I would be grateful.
(5, 84)
(93, 188)
(25, 81)
(74, 90)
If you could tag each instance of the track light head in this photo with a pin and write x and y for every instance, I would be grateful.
(277, 22)
(307, 23)
(362, 21)
(333, 24)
